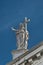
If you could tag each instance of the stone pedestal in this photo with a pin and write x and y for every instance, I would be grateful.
(17, 53)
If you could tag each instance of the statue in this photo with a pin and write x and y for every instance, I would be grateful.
(22, 35)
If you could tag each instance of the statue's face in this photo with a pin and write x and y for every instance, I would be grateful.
(21, 26)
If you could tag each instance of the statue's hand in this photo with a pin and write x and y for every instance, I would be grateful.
(12, 28)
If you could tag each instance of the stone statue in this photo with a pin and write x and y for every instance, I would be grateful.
(22, 35)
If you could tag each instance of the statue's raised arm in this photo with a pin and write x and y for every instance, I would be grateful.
(26, 21)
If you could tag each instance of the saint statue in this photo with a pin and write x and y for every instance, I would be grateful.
(22, 35)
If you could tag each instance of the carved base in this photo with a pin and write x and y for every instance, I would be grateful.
(17, 53)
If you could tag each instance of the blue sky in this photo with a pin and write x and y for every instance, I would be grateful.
(12, 12)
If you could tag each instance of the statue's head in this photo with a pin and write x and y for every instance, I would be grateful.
(21, 26)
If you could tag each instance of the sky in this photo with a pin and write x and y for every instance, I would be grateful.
(12, 12)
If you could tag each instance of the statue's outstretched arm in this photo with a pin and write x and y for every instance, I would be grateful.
(14, 29)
